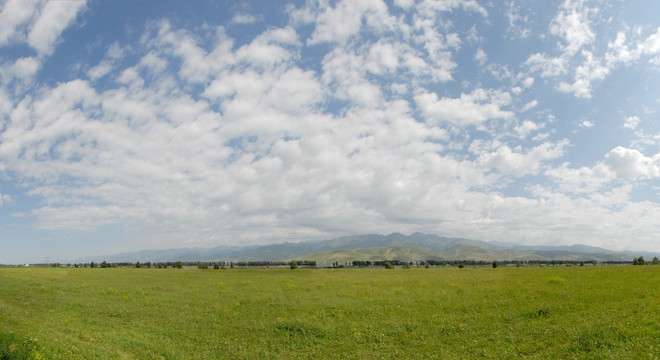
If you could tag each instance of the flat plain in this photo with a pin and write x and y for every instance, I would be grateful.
(590, 312)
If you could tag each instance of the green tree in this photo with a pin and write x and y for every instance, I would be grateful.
(655, 261)
(104, 264)
(294, 264)
(427, 265)
(388, 265)
(178, 265)
(641, 261)
(495, 264)
(138, 265)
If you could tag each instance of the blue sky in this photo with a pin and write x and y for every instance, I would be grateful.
(128, 125)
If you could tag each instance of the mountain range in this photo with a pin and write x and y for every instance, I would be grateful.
(373, 247)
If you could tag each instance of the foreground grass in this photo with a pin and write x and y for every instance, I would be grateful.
(576, 312)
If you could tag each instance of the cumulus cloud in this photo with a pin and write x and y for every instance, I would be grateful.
(16, 14)
(587, 124)
(5, 199)
(244, 19)
(526, 128)
(25, 68)
(581, 180)
(468, 109)
(480, 57)
(53, 18)
(518, 162)
(337, 24)
(630, 163)
(549, 66)
(573, 25)
(631, 122)
(530, 105)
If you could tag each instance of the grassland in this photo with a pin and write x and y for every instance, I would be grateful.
(503, 313)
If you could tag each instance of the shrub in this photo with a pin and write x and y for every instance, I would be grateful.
(388, 265)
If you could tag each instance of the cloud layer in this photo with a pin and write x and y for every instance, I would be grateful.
(347, 117)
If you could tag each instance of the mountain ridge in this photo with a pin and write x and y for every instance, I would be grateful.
(445, 248)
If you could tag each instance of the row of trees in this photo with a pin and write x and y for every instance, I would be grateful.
(463, 263)
(198, 264)
(640, 261)
(358, 263)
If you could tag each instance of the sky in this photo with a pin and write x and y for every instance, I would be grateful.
(128, 125)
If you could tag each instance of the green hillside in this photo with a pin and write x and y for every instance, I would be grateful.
(457, 252)
(402, 253)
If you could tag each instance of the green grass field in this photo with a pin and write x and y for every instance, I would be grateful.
(444, 313)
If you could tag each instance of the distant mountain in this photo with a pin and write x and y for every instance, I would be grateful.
(395, 246)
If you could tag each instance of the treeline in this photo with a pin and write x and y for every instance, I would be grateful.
(352, 264)
(476, 263)
(182, 264)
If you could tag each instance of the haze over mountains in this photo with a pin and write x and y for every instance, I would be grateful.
(395, 246)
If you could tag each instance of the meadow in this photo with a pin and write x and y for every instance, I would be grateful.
(591, 312)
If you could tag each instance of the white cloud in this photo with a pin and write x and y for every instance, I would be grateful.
(651, 46)
(15, 14)
(619, 52)
(54, 17)
(468, 109)
(519, 163)
(517, 22)
(582, 180)
(587, 124)
(339, 23)
(404, 4)
(5, 199)
(429, 6)
(244, 19)
(631, 122)
(481, 57)
(100, 70)
(591, 70)
(530, 105)
(526, 128)
(25, 68)
(547, 66)
(630, 163)
(573, 25)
